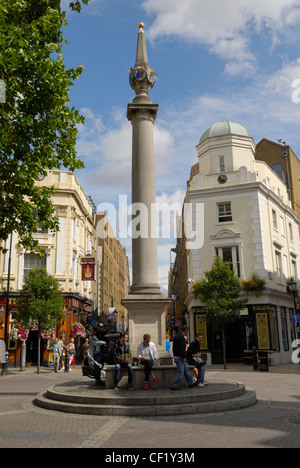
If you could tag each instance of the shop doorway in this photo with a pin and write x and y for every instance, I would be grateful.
(32, 349)
(239, 337)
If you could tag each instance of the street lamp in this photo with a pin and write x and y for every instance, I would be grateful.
(292, 285)
(6, 325)
(174, 298)
(6, 338)
(293, 288)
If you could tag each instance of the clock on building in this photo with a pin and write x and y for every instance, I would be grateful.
(222, 179)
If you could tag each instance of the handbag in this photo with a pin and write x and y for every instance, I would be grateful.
(123, 359)
(199, 361)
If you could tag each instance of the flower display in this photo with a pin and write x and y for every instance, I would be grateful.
(78, 329)
(255, 284)
(18, 333)
(23, 334)
(179, 313)
(48, 334)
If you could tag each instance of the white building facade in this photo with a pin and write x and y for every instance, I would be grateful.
(248, 221)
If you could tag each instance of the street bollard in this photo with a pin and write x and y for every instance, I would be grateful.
(5, 365)
(23, 356)
(255, 361)
(263, 361)
(67, 361)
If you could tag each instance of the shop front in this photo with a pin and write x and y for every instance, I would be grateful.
(267, 327)
(75, 310)
(239, 337)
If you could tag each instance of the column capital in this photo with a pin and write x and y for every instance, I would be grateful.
(143, 111)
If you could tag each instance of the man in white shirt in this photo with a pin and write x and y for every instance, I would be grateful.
(147, 355)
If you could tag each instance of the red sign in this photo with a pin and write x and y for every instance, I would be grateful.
(88, 272)
(10, 302)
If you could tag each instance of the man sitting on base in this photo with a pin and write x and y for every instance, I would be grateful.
(123, 359)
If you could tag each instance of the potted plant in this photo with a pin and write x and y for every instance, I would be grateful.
(255, 284)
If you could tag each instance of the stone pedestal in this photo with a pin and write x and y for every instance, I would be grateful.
(147, 315)
(164, 374)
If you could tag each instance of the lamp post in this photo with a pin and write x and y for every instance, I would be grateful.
(7, 295)
(293, 288)
(292, 285)
(174, 297)
(6, 337)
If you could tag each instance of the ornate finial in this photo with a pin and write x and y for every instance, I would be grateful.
(142, 76)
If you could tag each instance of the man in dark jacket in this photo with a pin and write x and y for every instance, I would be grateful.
(179, 353)
(122, 347)
(96, 343)
(193, 356)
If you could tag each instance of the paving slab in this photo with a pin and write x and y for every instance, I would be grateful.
(272, 423)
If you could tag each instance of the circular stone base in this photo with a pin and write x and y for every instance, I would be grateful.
(85, 398)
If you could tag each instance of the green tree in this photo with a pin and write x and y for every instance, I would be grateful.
(220, 292)
(38, 127)
(41, 302)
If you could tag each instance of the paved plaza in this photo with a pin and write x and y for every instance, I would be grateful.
(273, 423)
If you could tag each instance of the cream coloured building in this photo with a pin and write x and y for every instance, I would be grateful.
(64, 250)
(113, 273)
(248, 221)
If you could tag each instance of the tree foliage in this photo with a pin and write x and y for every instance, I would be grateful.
(38, 126)
(220, 293)
(40, 301)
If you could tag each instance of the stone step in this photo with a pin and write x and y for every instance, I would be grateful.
(160, 402)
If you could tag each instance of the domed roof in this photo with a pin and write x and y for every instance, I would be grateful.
(224, 128)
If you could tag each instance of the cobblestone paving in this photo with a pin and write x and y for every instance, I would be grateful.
(274, 422)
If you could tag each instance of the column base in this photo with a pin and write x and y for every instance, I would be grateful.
(146, 314)
(146, 289)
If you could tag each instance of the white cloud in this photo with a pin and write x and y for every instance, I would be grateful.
(107, 152)
(265, 107)
(225, 28)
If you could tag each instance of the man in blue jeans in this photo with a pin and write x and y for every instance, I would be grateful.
(122, 347)
(179, 353)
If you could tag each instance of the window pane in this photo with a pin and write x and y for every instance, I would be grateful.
(33, 261)
(224, 210)
(227, 254)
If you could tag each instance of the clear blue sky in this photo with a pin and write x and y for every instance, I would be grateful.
(236, 58)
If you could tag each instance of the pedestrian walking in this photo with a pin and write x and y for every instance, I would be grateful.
(62, 348)
(179, 352)
(148, 357)
(71, 348)
(56, 355)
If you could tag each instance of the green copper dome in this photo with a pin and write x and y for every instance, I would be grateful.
(224, 128)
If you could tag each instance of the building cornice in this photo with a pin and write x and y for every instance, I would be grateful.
(249, 187)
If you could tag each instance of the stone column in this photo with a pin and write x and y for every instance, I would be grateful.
(145, 303)
(144, 247)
